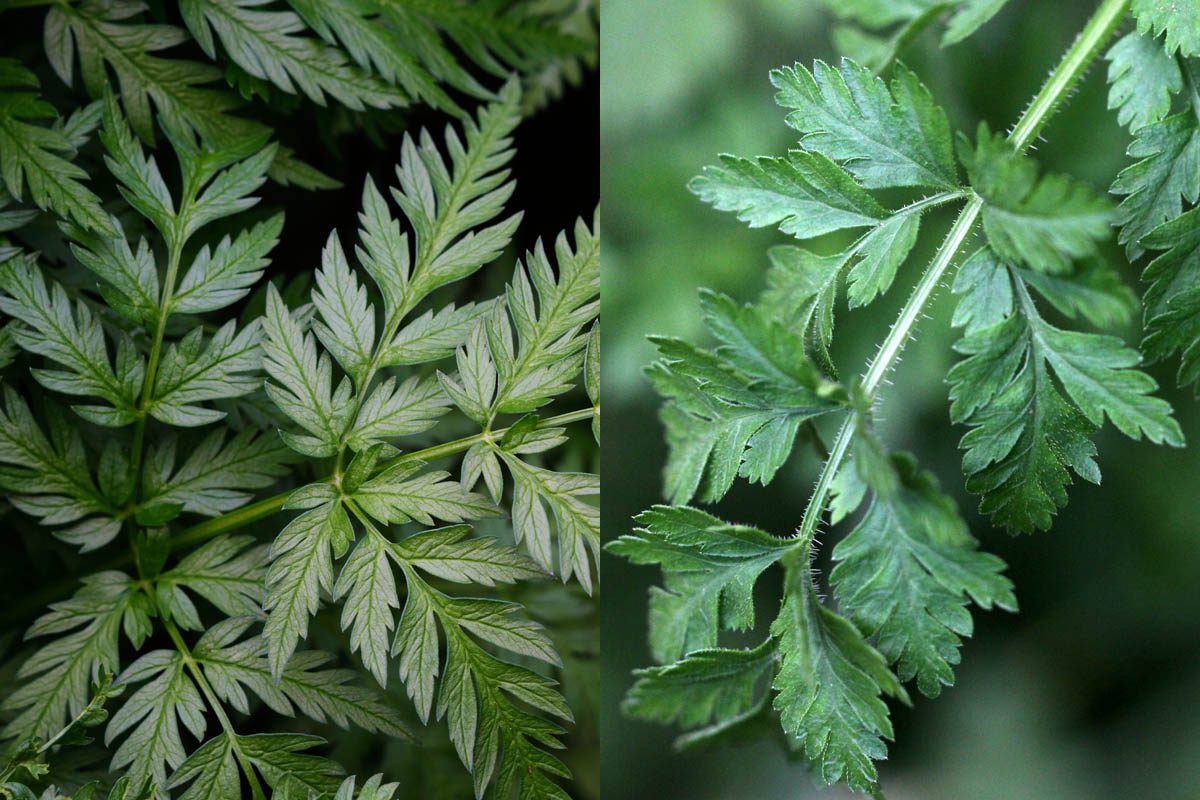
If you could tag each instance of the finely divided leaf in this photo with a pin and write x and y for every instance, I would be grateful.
(885, 135)
(908, 570)
(736, 410)
(829, 686)
(709, 571)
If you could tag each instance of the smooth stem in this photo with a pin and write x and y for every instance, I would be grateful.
(256, 788)
(1058, 86)
(240, 518)
(265, 508)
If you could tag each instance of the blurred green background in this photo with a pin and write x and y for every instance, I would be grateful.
(1092, 690)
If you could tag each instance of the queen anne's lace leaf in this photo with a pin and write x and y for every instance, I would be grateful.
(735, 410)
(1166, 174)
(1142, 78)
(1026, 433)
(904, 575)
(1178, 19)
(705, 685)
(1045, 222)
(39, 158)
(829, 687)
(709, 571)
(885, 135)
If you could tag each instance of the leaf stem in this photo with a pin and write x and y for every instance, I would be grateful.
(197, 674)
(241, 517)
(1053, 93)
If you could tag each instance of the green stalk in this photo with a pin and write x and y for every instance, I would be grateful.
(1053, 94)
(256, 788)
(241, 517)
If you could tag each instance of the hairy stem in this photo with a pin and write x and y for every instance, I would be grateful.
(256, 788)
(1053, 93)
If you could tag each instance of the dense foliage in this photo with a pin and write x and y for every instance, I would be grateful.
(1032, 387)
(159, 368)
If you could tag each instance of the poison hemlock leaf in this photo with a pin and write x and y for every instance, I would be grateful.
(149, 371)
(38, 158)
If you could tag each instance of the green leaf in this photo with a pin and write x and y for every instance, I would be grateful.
(306, 685)
(829, 686)
(802, 291)
(346, 324)
(709, 571)
(129, 278)
(805, 194)
(301, 568)
(269, 45)
(452, 554)
(576, 521)
(152, 716)
(1142, 79)
(212, 770)
(905, 573)
(550, 332)
(49, 476)
(97, 33)
(367, 590)
(1171, 303)
(193, 370)
(1025, 432)
(970, 17)
(1045, 222)
(1179, 19)
(39, 158)
(70, 335)
(302, 385)
(224, 274)
(736, 410)
(449, 206)
(396, 496)
(226, 572)
(706, 685)
(398, 409)
(495, 738)
(434, 336)
(217, 473)
(885, 135)
(57, 679)
(1166, 174)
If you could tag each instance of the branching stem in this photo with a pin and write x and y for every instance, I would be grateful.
(189, 661)
(1054, 92)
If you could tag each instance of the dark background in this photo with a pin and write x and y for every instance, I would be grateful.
(1091, 692)
(556, 168)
